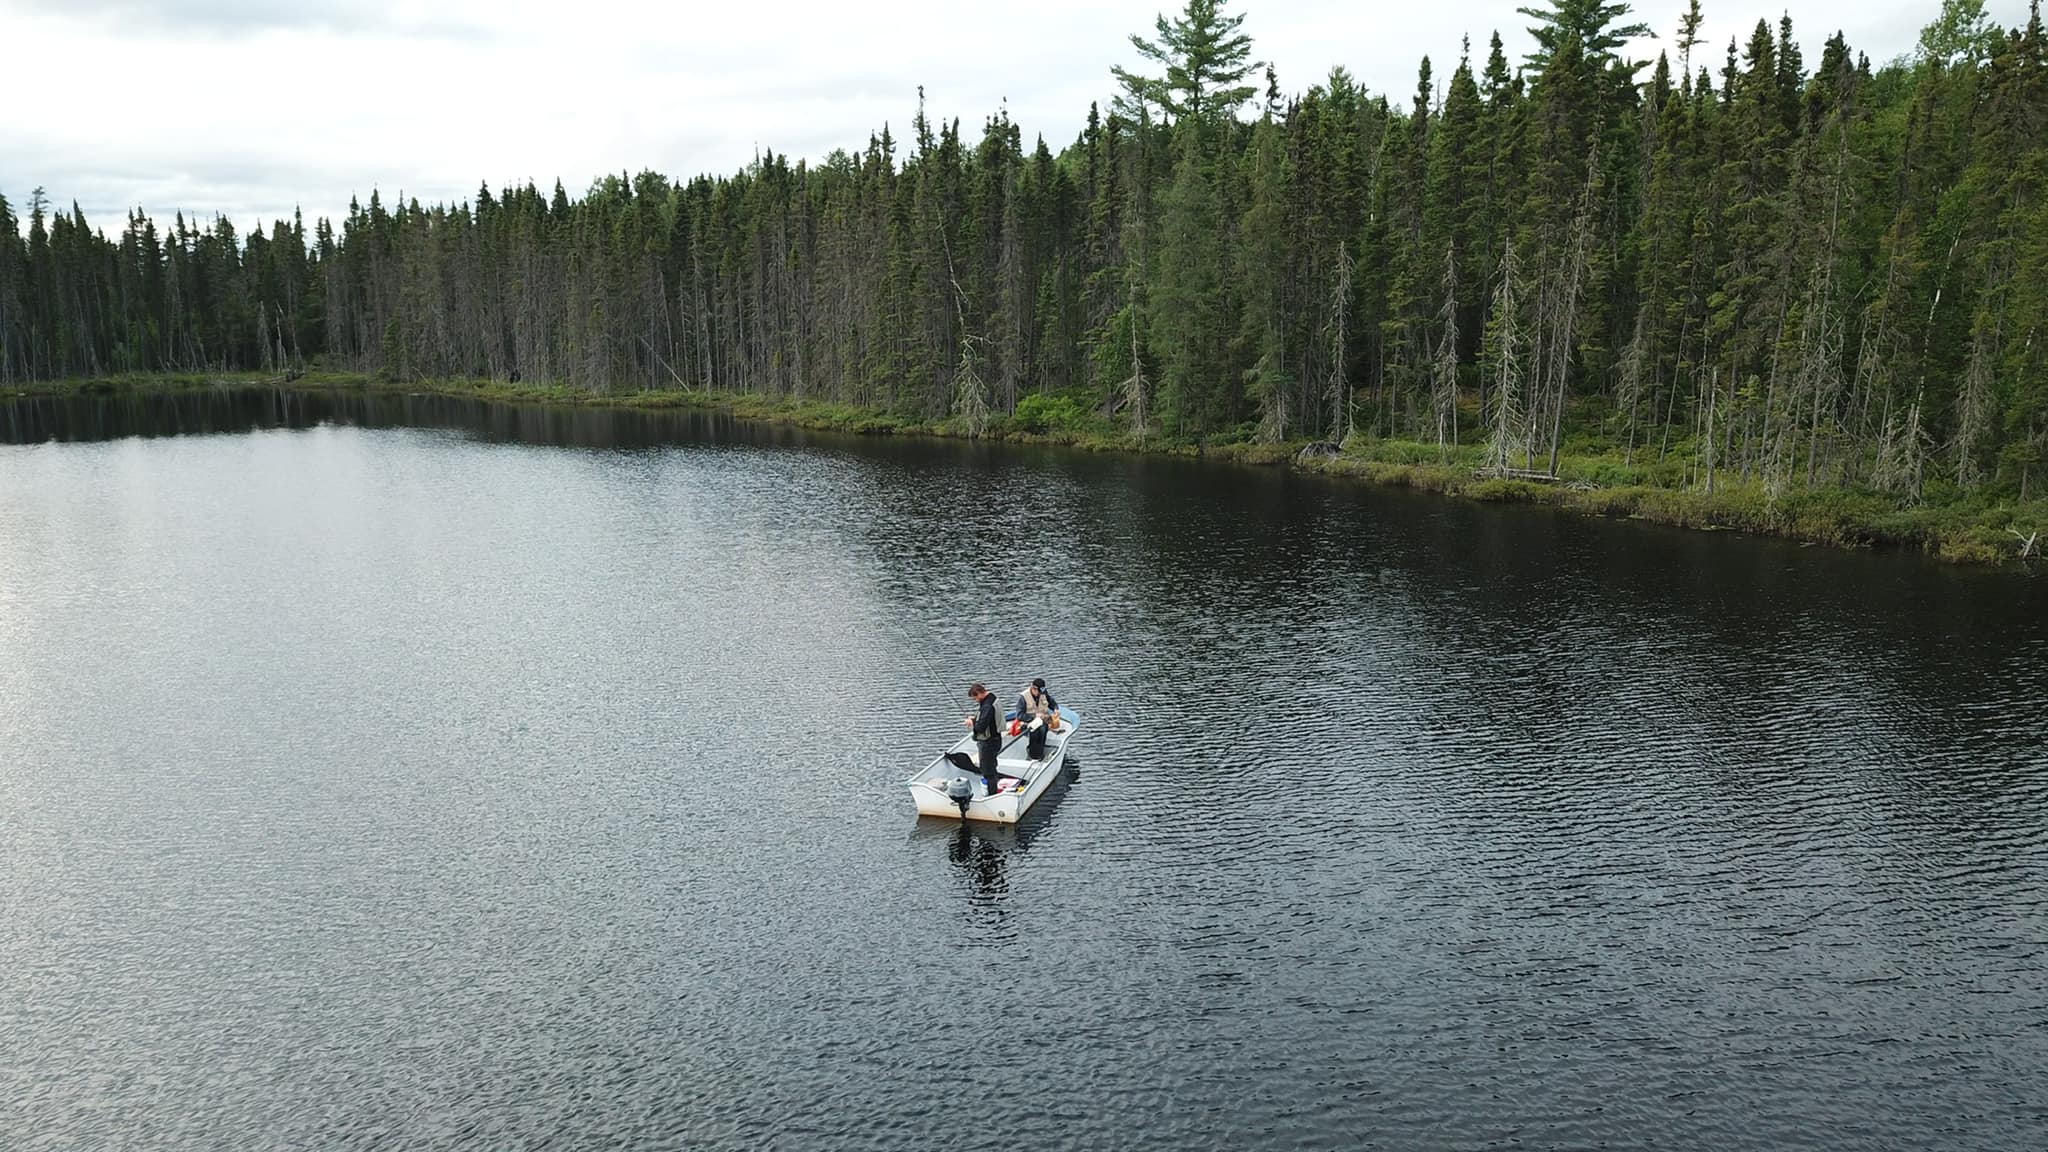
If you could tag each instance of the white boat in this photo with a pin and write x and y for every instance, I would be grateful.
(945, 787)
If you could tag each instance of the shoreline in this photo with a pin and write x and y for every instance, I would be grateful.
(1976, 531)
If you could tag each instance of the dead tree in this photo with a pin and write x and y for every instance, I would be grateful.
(1134, 387)
(1902, 455)
(970, 390)
(1505, 440)
(1628, 394)
(1444, 389)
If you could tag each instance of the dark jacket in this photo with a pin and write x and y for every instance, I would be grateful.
(986, 728)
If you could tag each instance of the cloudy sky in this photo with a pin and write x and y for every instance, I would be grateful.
(251, 108)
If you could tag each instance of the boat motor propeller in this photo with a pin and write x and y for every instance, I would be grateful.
(960, 790)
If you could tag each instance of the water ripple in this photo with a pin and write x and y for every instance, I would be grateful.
(442, 776)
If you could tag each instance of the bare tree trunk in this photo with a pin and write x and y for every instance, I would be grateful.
(1339, 389)
(1444, 394)
(1505, 441)
(1629, 393)
(1712, 446)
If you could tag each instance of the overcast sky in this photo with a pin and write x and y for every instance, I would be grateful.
(249, 107)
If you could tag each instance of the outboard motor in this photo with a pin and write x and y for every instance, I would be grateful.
(960, 790)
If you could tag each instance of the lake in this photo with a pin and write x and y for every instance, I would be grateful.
(405, 772)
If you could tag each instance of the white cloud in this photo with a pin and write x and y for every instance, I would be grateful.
(251, 108)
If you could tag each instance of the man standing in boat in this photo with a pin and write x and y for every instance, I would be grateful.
(988, 732)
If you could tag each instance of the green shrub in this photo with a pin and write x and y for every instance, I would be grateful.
(1042, 413)
(876, 426)
(1972, 550)
(1506, 491)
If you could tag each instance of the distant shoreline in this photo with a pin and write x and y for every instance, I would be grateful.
(1974, 533)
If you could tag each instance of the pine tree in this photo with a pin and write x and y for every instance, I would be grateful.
(1204, 57)
(1187, 293)
(1586, 28)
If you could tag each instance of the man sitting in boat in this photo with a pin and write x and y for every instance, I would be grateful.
(1037, 710)
(987, 733)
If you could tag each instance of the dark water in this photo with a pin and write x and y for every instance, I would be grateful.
(413, 774)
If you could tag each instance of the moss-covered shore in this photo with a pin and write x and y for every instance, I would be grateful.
(1592, 477)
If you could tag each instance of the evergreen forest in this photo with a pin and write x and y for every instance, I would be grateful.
(1729, 264)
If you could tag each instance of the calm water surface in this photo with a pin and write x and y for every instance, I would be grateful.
(414, 774)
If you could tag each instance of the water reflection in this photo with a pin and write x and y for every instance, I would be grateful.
(982, 854)
(215, 411)
(979, 856)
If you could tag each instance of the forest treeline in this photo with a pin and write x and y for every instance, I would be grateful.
(1799, 273)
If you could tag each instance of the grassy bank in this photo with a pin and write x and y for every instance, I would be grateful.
(1592, 477)
(1963, 530)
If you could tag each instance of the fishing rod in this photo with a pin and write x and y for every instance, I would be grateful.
(937, 680)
